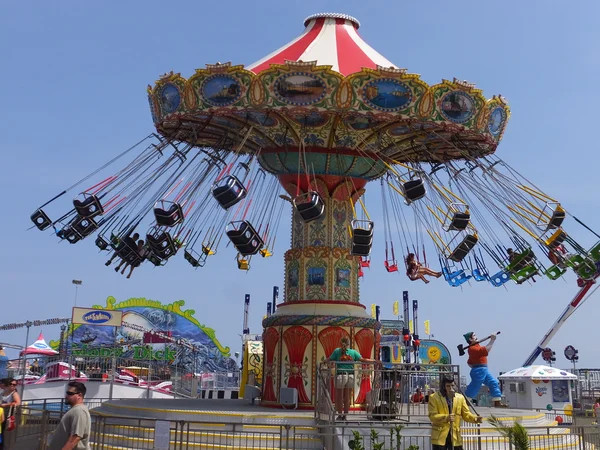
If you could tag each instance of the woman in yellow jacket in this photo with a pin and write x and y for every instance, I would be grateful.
(447, 407)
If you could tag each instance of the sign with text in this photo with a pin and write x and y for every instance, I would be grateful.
(142, 353)
(96, 317)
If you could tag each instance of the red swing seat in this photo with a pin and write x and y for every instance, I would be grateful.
(391, 266)
(365, 261)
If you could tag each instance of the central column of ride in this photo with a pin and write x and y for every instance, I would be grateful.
(321, 296)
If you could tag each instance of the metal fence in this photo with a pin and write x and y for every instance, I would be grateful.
(382, 393)
(34, 428)
(151, 375)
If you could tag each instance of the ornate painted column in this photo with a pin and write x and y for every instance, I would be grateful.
(321, 296)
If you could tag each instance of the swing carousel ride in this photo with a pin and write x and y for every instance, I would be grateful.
(325, 114)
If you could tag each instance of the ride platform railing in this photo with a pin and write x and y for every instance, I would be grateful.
(385, 392)
(34, 429)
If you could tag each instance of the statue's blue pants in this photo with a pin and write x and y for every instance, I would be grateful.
(481, 375)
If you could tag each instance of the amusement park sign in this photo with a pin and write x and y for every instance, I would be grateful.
(141, 353)
(97, 317)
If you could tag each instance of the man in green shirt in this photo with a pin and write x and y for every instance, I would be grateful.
(344, 357)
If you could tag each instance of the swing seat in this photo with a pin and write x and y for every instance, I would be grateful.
(558, 217)
(551, 222)
(194, 258)
(584, 267)
(459, 222)
(243, 263)
(206, 250)
(413, 190)
(69, 234)
(161, 243)
(101, 243)
(556, 239)
(310, 206)
(168, 214)
(524, 274)
(360, 250)
(89, 207)
(84, 226)
(41, 220)
(362, 237)
(228, 191)
(463, 249)
(265, 253)
(391, 266)
(365, 261)
(244, 237)
(555, 272)
(156, 260)
(520, 261)
(455, 278)
(595, 252)
(499, 279)
(479, 275)
(360, 272)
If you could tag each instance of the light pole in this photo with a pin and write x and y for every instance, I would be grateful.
(77, 283)
(572, 354)
(61, 352)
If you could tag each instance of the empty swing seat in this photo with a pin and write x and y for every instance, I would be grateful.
(244, 237)
(414, 190)
(556, 239)
(69, 234)
(101, 243)
(168, 217)
(161, 243)
(362, 238)
(243, 263)
(558, 217)
(310, 206)
(499, 278)
(89, 207)
(365, 261)
(479, 275)
(41, 220)
(84, 226)
(455, 278)
(584, 267)
(555, 272)
(228, 191)
(391, 266)
(155, 260)
(595, 252)
(463, 249)
(206, 250)
(459, 222)
(194, 258)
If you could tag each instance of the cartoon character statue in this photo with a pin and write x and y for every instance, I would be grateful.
(480, 373)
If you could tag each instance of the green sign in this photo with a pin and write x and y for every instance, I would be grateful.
(140, 353)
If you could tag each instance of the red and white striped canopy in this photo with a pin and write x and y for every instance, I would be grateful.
(329, 39)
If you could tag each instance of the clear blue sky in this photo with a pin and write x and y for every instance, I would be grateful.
(74, 76)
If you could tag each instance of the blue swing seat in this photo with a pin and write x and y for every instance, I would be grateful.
(480, 275)
(500, 278)
(455, 278)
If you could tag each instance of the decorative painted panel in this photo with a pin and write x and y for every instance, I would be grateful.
(297, 361)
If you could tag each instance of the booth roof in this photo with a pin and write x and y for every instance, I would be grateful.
(538, 372)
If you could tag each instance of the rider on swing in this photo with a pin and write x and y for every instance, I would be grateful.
(415, 271)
